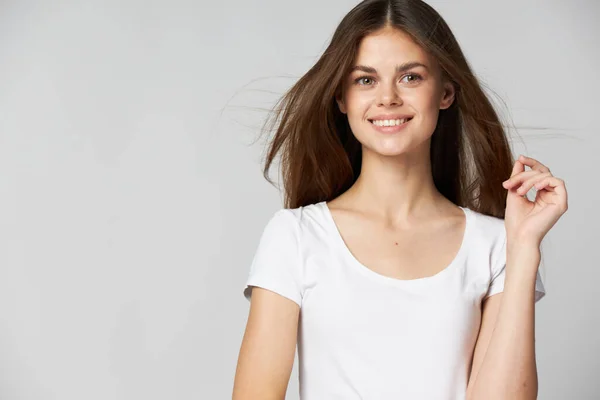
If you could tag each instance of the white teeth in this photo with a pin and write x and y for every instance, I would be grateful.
(389, 122)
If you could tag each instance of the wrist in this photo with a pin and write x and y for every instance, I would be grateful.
(523, 259)
(523, 252)
(522, 245)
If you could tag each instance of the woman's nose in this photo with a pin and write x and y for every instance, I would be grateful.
(388, 95)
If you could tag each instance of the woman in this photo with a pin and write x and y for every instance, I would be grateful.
(405, 265)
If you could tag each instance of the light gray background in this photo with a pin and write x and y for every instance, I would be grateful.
(132, 201)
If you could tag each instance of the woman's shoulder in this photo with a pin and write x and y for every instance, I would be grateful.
(296, 219)
(486, 227)
(309, 223)
(303, 214)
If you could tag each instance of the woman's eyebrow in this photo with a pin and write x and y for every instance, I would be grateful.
(399, 68)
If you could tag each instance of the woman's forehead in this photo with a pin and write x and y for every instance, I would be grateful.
(389, 48)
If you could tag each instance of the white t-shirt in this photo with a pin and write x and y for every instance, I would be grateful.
(363, 335)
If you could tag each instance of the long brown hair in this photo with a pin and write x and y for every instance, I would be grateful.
(321, 158)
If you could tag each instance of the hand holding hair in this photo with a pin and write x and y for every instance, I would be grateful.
(526, 221)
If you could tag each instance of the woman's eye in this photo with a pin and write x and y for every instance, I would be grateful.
(362, 78)
(416, 77)
(361, 81)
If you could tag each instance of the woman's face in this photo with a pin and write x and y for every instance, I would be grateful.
(375, 90)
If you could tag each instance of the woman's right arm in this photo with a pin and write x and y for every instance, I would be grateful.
(268, 347)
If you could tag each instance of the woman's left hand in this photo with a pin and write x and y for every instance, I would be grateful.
(528, 221)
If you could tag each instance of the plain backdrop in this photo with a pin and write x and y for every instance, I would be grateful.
(132, 199)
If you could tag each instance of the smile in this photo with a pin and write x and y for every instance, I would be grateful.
(390, 126)
(389, 122)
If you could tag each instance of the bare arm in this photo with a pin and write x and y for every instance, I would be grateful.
(506, 367)
(268, 348)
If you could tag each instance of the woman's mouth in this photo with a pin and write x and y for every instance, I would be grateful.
(390, 126)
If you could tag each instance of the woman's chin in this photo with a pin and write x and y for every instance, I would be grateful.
(389, 151)
(395, 148)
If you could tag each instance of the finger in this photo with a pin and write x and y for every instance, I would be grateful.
(513, 192)
(533, 163)
(557, 186)
(518, 167)
(550, 183)
(529, 183)
(519, 178)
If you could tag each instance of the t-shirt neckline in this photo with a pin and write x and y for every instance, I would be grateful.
(363, 269)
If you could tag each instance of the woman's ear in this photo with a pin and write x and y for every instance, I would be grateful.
(448, 95)
(340, 104)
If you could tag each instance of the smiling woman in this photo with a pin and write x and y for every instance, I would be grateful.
(417, 100)
(389, 263)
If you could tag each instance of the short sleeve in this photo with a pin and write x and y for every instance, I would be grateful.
(276, 264)
(499, 272)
